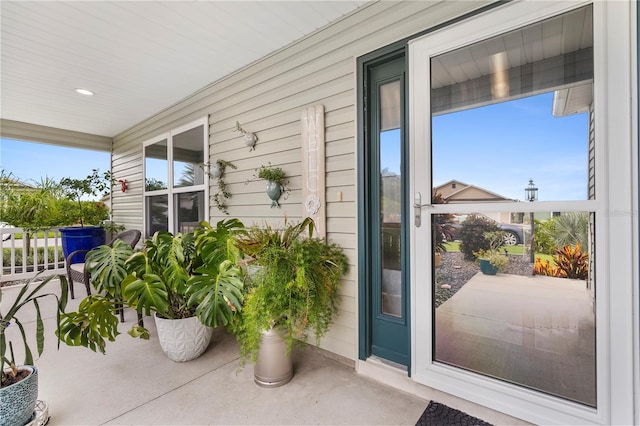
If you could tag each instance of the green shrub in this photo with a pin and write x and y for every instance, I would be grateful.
(544, 233)
(471, 235)
(6, 256)
(93, 212)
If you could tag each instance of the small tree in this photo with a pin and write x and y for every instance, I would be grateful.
(93, 184)
(544, 241)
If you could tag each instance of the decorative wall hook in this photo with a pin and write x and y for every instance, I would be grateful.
(123, 184)
(250, 139)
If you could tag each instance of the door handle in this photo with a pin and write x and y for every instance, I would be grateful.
(417, 208)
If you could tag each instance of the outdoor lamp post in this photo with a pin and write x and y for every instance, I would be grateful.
(531, 194)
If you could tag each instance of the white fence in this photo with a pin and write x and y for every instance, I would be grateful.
(45, 253)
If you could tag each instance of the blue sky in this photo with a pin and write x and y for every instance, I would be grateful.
(30, 162)
(501, 146)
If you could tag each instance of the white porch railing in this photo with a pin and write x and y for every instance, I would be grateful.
(44, 254)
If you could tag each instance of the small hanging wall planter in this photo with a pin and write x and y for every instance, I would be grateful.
(274, 191)
(275, 187)
(249, 138)
(216, 170)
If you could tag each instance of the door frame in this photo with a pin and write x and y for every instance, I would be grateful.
(614, 131)
(365, 261)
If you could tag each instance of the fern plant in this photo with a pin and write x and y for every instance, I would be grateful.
(294, 289)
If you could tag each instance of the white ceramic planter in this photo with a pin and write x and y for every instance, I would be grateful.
(18, 401)
(183, 339)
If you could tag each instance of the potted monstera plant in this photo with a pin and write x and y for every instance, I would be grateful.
(189, 282)
(19, 382)
(291, 290)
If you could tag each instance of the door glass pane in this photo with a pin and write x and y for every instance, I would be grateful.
(157, 211)
(516, 107)
(189, 210)
(512, 122)
(156, 166)
(188, 157)
(532, 323)
(390, 198)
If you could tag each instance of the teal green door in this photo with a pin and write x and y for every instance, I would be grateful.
(387, 322)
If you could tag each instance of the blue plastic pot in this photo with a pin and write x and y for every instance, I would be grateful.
(81, 238)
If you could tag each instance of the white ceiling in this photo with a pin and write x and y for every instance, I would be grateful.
(139, 57)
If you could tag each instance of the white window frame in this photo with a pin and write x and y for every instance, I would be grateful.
(616, 216)
(171, 191)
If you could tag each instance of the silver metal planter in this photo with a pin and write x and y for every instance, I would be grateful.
(18, 401)
(274, 367)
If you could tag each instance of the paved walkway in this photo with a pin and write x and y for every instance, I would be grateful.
(536, 331)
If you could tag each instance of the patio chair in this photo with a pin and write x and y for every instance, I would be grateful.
(78, 273)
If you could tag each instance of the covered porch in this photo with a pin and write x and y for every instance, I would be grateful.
(135, 383)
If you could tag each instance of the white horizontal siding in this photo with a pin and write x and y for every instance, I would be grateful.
(267, 98)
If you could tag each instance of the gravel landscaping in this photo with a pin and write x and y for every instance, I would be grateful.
(455, 271)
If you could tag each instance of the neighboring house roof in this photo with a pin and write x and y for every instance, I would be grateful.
(17, 184)
(455, 191)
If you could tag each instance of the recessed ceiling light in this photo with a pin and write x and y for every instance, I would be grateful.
(85, 92)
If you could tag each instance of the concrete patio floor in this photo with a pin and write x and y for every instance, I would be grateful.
(135, 383)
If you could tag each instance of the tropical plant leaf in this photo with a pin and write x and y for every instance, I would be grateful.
(107, 267)
(217, 293)
(94, 322)
(138, 264)
(29, 293)
(28, 356)
(147, 294)
(137, 331)
(39, 328)
(219, 244)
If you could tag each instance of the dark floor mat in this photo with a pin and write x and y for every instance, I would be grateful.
(438, 414)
